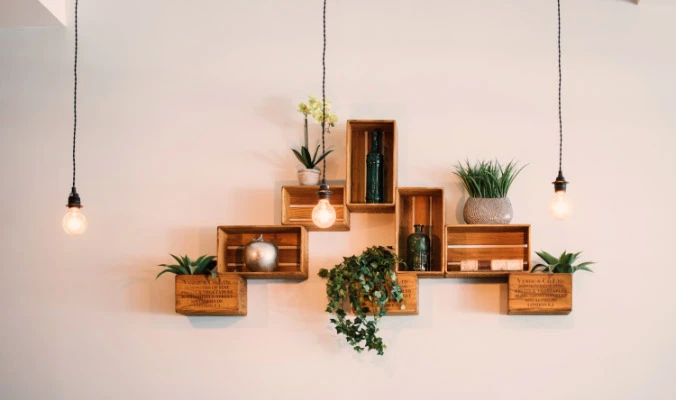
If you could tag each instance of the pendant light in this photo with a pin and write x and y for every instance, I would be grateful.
(560, 206)
(74, 222)
(324, 215)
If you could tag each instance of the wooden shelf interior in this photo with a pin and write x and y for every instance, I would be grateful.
(423, 206)
(358, 146)
(298, 202)
(484, 244)
(291, 241)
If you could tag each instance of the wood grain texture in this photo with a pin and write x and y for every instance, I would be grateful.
(358, 146)
(299, 201)
(485, 243)
(292, 243)
(203, 295)
(422, 206)
(540, 294)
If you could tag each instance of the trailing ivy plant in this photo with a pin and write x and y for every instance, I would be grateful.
(366, 283)
(205, 265)
(561, 265)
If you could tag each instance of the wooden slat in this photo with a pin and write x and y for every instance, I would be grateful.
(203, 295)
(486, 238)
(540, 294)
(491, 253)
(284, 255)
(304, 213)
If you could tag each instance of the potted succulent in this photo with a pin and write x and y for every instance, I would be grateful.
(365, 283)
(201, 291)
(488, 183)
(308, 174)
(548, 289)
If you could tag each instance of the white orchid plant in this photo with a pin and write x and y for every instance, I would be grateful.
(314, 107)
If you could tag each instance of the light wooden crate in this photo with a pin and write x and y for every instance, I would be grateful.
(540, 294)
(291, 241)
(484, 244)
(422, 206)
(358, 146)
(299, 201)
(204, 295)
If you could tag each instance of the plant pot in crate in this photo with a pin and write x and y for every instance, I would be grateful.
(487, 210)
(308, 177)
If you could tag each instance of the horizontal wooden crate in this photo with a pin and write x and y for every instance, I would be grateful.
(358, 146)
(299, 201)
(485, 243)
(204, 295)
(291, 241)
(423, 206)
(540, 294)
(409, 286)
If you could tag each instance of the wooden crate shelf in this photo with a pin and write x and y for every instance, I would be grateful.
(540, 294)
(358, 146)
(486, 245)
(204, 295)
(422, 206)
(291, 241)
(298, 202)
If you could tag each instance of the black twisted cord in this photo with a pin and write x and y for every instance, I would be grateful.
(324, 92)
(75, 96)
(560, 118)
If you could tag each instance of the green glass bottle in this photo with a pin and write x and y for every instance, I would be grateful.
(375, 171)
(418, 250)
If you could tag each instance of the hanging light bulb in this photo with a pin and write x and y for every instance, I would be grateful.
(324, 215)
(74, 222)
(560, 206)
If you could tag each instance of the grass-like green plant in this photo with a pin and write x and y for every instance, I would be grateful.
(205, 265)
(366, 282)
(561, 265)
(487, 179)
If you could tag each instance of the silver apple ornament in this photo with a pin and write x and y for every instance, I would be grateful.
(260, 256)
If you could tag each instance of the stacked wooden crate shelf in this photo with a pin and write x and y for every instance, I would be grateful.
(424, 206)
(488, 246)
(358, 146)
(291, 241)
(204, 295)
(299, 201)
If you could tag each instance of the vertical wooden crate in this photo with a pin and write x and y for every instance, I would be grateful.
(204, 295)
(298, 202)
(422, 206)
(540, 294)
(358, 146)
(484, 244)
(291, 241)
(409, 286)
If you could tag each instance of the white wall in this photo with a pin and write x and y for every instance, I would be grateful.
(187, 113)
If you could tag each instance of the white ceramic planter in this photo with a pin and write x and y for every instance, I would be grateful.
(308, 177)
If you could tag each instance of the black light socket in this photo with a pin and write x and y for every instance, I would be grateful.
(560, 183)
(74, 199)
(324, 191)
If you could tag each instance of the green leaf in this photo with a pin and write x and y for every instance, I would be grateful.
(548, 258)
(166, 270)
(583, 267)
(178, 260)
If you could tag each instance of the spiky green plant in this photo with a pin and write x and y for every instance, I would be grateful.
(205, 265)
(561, 265)
(308, 160)
(487, 179)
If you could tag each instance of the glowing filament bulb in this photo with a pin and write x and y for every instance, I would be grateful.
(324, 215)
(74, 222)
(560, 206)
